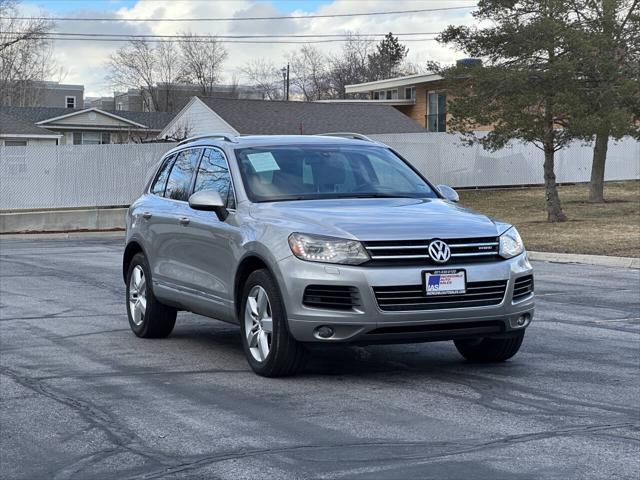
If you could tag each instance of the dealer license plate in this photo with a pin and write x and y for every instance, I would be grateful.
(444, 282)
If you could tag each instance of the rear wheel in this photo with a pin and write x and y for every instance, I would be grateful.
(269, 347)
(148, 318)
(489, 350)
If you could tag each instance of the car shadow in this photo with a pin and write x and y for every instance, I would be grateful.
(413, 359)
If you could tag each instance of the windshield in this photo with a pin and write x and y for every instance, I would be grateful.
(306, 172)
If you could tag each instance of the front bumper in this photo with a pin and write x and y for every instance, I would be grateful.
(369, 324)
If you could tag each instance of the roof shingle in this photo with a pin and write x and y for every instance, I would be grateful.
(12, 125)
(153, 120)
(264, 117)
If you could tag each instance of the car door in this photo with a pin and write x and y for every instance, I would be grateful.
(212, 245)
(170, 216)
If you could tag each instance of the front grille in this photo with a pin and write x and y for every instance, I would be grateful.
(523, 287)
(416, 252)
(443, 328)
(334, 297)
(412, 297)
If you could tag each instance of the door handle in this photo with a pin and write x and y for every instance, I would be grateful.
(146, 215)
(184, 221)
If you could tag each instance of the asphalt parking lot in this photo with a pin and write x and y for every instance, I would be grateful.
(82, 397)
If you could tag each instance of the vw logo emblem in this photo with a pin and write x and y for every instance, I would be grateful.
(439, 251)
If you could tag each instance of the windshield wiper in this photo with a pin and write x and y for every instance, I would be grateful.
(377, 195)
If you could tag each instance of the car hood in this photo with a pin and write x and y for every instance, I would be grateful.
(379, 219)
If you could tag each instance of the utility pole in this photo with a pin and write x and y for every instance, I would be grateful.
(285, 82)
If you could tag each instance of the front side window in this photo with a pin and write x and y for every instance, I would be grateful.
(307, 172)
(179, 181)
(213, 174)
(160, 183)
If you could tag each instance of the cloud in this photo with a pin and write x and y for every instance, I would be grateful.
(85, 62)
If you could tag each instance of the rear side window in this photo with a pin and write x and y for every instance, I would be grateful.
(160, 183)
(213, 174)
(179, 181)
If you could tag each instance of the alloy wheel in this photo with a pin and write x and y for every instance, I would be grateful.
(258, 323)
(137, 295)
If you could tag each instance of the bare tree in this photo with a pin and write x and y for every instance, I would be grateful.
(202, 61)
(182, 132)
(309, 73)
(25, 56)
(264, 77)
(136, 65)
(349, 66)
(169, 72)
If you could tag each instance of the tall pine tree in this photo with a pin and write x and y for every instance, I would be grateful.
(524, 89)
(607, 46)
(385, 62)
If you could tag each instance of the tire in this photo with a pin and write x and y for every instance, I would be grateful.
(148, 318)
(489, 350)
(283, 355)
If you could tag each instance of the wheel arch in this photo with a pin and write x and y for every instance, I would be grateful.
(132, 248)
(247, 266)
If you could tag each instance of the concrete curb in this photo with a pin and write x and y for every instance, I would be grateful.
(63, 220)
(601, 260)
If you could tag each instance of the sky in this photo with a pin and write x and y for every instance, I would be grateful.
(85, 62)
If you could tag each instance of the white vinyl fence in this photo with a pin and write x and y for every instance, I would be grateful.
(49, 176)
(443, 159)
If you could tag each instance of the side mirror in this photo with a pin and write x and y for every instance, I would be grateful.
(209, 201)
(448, 193)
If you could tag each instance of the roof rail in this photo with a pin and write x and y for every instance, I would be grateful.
(225, 136)
(356, 136)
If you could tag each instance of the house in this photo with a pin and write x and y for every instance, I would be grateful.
(91, 125)
(43, 94)
(421, 97)
(15, 132)
(264, 117)
(103, 103)
(172, 97)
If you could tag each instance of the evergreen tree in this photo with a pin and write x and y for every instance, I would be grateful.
(524, 89)
(607, 46)
(385, 62)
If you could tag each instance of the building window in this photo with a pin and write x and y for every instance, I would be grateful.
(70, 102)
(15, 143)
(410, 93)
(386, 94)
(119, 106)
(91, 138)
(436, 112)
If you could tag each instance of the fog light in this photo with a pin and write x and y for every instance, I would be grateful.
(324, 331)
(523, 320)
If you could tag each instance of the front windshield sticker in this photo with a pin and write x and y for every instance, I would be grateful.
(263, 162)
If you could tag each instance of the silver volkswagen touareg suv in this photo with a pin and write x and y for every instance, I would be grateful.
(327, 239)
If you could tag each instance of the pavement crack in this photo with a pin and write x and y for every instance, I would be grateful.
(121, 437)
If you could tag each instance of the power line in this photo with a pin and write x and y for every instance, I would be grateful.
(264, 42)
(239, 19)
(183, 36)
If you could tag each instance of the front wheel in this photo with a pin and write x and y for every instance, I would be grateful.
(489, 350)
(269, 347)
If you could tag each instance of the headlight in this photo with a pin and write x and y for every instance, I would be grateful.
(316, 248)
(511, 243)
